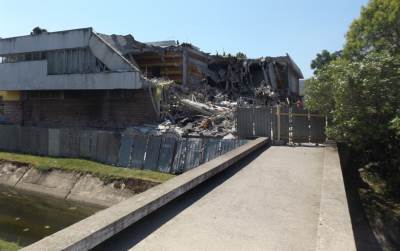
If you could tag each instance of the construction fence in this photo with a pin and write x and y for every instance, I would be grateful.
(281, 123)
(166, 154)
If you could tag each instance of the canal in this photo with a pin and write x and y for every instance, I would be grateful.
(26, 218)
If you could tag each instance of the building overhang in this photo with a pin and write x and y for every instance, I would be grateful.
(33, 75)
(78, 38)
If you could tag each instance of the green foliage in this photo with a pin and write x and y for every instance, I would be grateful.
(8, 246)
(377, 29)
(359, 91)
(361, 98)
(395, 125)
(323, 59)
(241, 55)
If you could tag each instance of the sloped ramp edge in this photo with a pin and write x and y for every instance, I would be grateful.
(335, 232)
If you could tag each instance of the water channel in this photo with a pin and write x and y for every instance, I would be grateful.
(26, 218)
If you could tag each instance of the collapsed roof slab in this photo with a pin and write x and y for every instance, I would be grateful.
(109, 55)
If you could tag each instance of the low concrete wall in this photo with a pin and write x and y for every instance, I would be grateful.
(335, 232)
(81, 188)
(92, 231)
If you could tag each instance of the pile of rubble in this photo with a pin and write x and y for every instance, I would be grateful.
(206, 108)
(197, 111)
(193, 111)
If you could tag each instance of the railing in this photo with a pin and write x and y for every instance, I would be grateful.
(159, 153)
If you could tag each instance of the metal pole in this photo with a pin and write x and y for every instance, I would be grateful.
(278, 115)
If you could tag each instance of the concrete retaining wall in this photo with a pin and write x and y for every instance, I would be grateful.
(85, 189)
(92, 231)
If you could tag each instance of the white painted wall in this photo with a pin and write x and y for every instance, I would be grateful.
(108, 55)
(44, 42)
(32, 75)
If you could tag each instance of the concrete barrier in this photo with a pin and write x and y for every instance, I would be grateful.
(93, 230)
(335, 232)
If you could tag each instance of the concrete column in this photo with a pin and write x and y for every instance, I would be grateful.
(184, 66)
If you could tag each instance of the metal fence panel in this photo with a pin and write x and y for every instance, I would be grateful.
(25, 140)
(211, 149)
(9, 137)
(262, 121)
(125, 150)
(113, 145)
(193, 153)
(43, 140)
(69, 142)
(283, 121)
(54, 142)
(138, 150)
(152, 153)
(301, 128)
(34, 141)
(167, 152)
(108, 144)
(180, 156)
(84, 144)
(245, 121)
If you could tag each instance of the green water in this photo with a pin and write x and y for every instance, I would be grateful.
(25, 218)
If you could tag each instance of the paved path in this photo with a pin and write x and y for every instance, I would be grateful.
(270, 203)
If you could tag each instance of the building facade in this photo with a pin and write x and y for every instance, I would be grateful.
(72, 78)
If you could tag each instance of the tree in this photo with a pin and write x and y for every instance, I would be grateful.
(37, 31)
(361, 98)
(360, 90)
(241, 55)
(378, 28)
(324, 58)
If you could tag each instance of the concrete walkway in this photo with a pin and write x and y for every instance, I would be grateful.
(272, 203)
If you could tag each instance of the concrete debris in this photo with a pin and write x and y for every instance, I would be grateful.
(251, 77)
(206, 89)
(203, 109)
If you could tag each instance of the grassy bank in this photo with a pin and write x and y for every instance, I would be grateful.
(105, 172)
(8, 246)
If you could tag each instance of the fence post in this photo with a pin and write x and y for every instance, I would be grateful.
(278, 122)
(290, 117)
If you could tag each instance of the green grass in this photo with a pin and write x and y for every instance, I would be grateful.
(104, 172)
(8, 246)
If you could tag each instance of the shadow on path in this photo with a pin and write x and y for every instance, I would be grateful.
(143, 228)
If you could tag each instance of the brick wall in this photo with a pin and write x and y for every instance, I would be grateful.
(10, 112)
(99, 109)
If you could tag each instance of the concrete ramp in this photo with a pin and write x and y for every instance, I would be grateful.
(287, 198)
(280, 198)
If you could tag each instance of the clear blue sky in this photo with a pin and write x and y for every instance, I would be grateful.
(258, 28)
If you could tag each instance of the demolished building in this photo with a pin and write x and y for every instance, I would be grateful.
(72, 78)
(89, 79)
(183, 63)
(251, 77)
